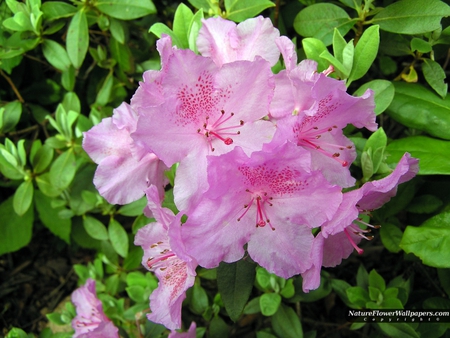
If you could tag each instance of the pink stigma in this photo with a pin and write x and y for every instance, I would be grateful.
(217, 129)
(357, 248)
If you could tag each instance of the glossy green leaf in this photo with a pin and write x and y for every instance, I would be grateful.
(286, 324)
(430, 241)
(194, 29)
(391, 235)
(269, 303)
(54, 10)
(122, 54)
(366, 51)
(159, 28)
(235, 283)
(398, 330)
(117, 30)
(77, 41)
(23, 198)
(56, 55)
(320, 20)
(199, 300)
(63, 170)
(435, 76)
(412, 16)
(218, 328)
(49, 216)
(240, 10)
(181, 23)
(15, 230)
(104, 93)
(133, 209)
(384, 92)
(95, 228)
(377, 144)
(425, 204)
(357, 296)
(12, 111)
(420, 45)
(376, 281)
(45, 185)
(126, 9)
(313, 49)
(432, 153)
(118, 237)
(417, 107)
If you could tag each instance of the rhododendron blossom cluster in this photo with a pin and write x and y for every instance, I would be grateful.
(261, 158)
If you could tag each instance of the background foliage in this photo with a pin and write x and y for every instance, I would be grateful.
(66, 65)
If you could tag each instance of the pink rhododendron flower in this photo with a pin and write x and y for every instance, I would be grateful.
(224, 41)
(269, 200)
(207, 109)
(175, 270)
(311, 110)
(340, 236)
(124, 169)
(191, 333)
(90, 321)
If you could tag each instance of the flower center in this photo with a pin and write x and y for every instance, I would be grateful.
(261, 200)
(218, 130)
(160, 260)
(311, 138)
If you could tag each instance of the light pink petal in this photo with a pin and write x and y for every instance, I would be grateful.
(104, 140)
(283, 251)
(311, 277)
(191, 333)
(122, 179)
(287, 49)
(376, 193)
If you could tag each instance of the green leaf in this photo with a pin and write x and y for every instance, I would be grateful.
(95, 228)
(376, 281)
(362, 277)
(159, 28)
(420, 45)
(357, 296)
(419, 108)
(425, 204)
(199, 299)
(42, 159)
(235, 283)
(15, 230)
(133, 209)
(218, 328)
(342, 70)
(269, 303)
(77, 41)
(374, 148)
(11, 116)
(391, 235)
(136, 293)
(194, 29)
(117, 30)
(49, 216)
(23, 198)
(63, 170)
(68, 78)
(412, 16)
(45, 185)
(54, 10)
(56, 55)
(432, 154)
(366, 51)
(384, 93)
(398, 330)
(320, 20)
(181, 24)
(126, 9)
(122, 54)
(252, 307)
(430, 241)
(104, 94)
(313, 49)
(118, 237)
(286, 324)
(240, 10)
(339, 44)
(435, 76)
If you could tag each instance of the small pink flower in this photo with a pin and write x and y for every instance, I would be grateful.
(91, 321)
(174, 268)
